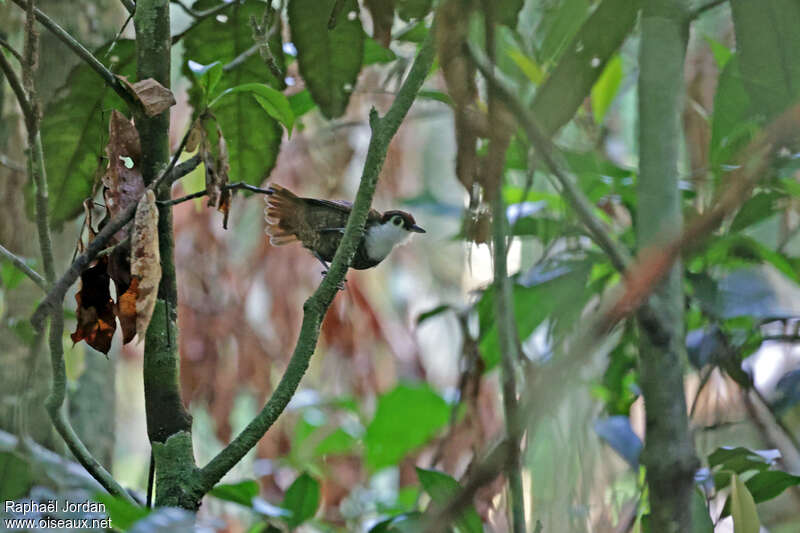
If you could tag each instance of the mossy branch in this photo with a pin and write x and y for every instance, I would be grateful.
(314, 309)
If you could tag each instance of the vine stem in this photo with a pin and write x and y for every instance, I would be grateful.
(314, 309)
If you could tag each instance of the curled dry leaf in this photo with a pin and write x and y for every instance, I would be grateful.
(214, 151)
(123, 179)
(95, 313)
(154, 97)
(145, 262)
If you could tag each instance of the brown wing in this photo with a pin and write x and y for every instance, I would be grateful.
(291, 218)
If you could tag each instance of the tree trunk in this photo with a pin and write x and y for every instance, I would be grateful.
(669, 452)
(168, 423)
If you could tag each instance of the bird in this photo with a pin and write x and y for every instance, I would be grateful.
(319, 225)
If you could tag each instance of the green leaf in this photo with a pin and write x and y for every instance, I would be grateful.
(755, 209)
(329, 59)
(439, 309)
(743, 508)
(271, 100)
(562, 27)
(559, 296)
(241, 493)
(301, 103)
(302, 499)
(374, 52)
(442, 488)
(403, 523)
(701, 519)
(207, 75)
(606, 87)
(75, 131)
(582, 62)
(766, 32)
(721, 52)
(122, 513)
(413, 9)
(18, 477)
(406, 417)
(769, 484)
(253, 137)
(10, 275)
(507, 12)
(733, 123)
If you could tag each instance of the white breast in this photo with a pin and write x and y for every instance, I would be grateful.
(381, 238)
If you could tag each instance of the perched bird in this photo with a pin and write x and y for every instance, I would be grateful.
(319, 224)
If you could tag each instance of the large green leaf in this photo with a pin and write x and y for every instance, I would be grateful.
(75, 131)
(329, 59)
(734, 122)
(766, 41)
(557, 293)
(241, 493)
(442, 488)
(252, 135)
(582, 62)
(302, 499)
(406, 417)
(743, 508)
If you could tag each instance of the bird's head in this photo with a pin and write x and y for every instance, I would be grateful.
(401, 220)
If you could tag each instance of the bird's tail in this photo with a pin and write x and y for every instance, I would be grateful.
(282, 214)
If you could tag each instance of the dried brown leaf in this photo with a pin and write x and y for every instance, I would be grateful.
(145, 260)
(153, 97)
(123, 177)
(214, 152)
(196, 136)
(382, 12)
(95, 313)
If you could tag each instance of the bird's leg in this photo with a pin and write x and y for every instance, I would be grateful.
(341, 286)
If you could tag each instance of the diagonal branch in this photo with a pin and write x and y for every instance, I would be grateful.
(598, 230)
(199, 16)
(314, 309)
(108, 77)
(20, 264)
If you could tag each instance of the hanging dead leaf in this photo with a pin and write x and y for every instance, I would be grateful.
(123, 179)
(125, 308)
(153, 97)
(196, 135)
(382, 12)
(214, 151)
(95, 314)
(145, 261)
(119, 268)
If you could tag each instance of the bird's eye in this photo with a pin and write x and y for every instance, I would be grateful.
(397, 221)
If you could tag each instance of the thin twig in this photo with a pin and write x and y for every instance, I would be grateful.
(5, 44)
(108, 77)
(699, 10)
(16, 87)
(129, 5)
(241, 58)
(239, 185)
(503, 297)
(199, 16)
(22, 266)
(13, 165)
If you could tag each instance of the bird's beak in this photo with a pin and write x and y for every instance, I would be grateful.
(416, 229)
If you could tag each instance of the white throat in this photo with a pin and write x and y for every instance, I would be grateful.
(381, 238)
